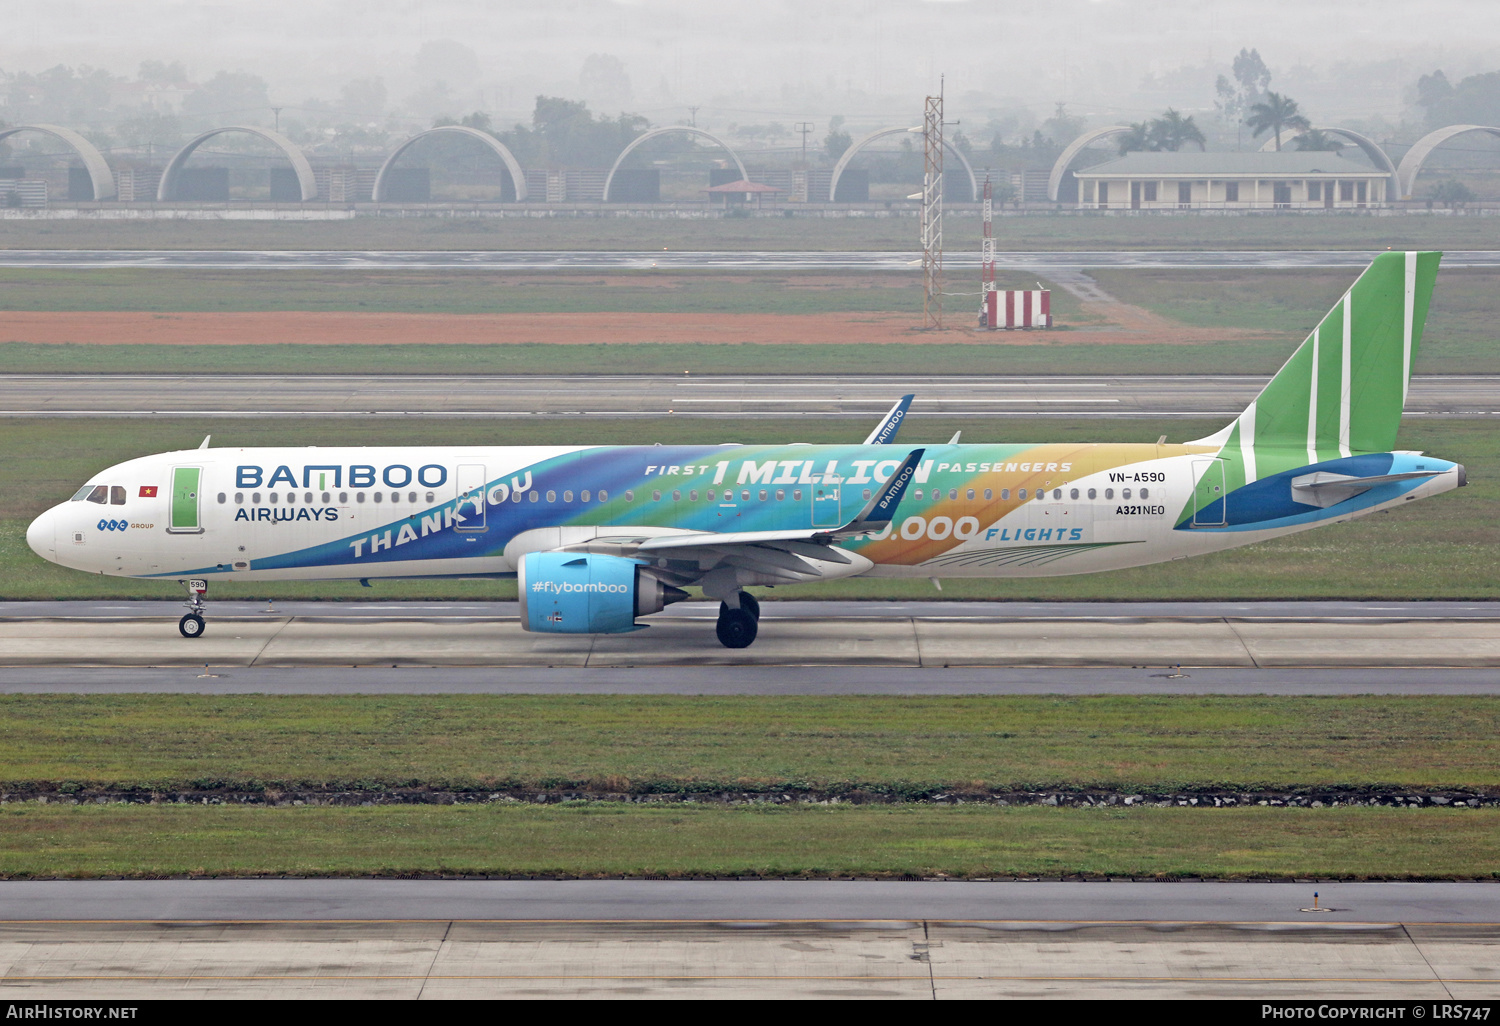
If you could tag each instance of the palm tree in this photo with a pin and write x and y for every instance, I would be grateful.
(1317, 139)
(1138, 138)
(1172, 131)
(1276, 113)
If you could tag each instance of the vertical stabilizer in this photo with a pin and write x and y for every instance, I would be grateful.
(1344, 389)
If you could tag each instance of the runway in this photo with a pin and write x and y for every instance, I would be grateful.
(522, 260)
(803, 648)
(126, 940)
(777, 397)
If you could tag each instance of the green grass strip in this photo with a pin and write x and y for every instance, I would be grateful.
(616, 743)
(597, 840)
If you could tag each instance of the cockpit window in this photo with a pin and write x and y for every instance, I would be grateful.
(82, 493)
(98, 493)
(116, 495)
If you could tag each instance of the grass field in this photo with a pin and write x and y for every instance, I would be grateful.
(662, 743)
(1447, 547)
(1276, 307)
(1031, 232)
(592, 839)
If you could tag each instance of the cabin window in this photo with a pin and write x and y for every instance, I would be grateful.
(255, 498)
(239, 498)
(273, 497)
(551, 495)
(762, 495)
(116, 495)
(359, 496)
(656, 496)
(693, 495)
(1109, 493)
(604, 496)
(629, 495)
(952, 493)
(430, 496)
(223, 498)
(1021, 495)
(676, 495)
(745, 495)
(710, 495)
(1145, 493)
(343, 497)
(988, 495)
(535, 496)
(327, 498)
(567, 496)
(583, 496)
(1005, 495)
(1073, 494)
(780, 494)
(411, 497)
(307, 498)
(867, 493)
(1057, 493)
(970, 495)
(1093, 493)
(917, 494)
(1125, 494)
(797, 494)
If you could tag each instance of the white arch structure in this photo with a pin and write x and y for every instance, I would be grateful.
(610, 178)
(517, 176)
(93, 160)
(1371, 148)
(838, 169)
(1072, 150)
(1411, 164)
(309, 186)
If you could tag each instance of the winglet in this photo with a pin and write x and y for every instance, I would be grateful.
(204, 444)
(885, 431)
(882, 508)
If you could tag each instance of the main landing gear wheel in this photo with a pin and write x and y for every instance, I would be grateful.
(750, 602)
(737, 628)
(191, 626)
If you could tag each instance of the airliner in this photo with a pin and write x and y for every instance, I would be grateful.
(598, 537)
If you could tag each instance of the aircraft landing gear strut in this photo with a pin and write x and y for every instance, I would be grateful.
(738, 625)
(192, 624)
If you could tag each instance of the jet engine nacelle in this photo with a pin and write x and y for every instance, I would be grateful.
(585, 593)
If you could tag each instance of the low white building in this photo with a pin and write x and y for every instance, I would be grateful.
(1289, 180)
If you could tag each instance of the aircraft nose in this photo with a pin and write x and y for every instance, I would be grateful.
(42, 536)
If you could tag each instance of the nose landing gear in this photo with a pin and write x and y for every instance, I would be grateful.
(739, 625)
(192, 624)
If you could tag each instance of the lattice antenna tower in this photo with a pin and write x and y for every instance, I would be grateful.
(932, 212)
(987, 249)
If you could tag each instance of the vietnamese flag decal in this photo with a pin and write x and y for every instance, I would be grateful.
(148, 491)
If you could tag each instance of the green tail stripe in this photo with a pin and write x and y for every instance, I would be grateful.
(1344, 389)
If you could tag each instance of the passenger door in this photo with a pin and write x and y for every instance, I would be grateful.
(187, 488)
(1210, 475)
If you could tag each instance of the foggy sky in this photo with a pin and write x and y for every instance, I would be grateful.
(872, 60)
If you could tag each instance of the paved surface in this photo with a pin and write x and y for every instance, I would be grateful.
(770, 396)
(740, 680)
(687, 260)
(624, 938)
(745, 900)
(920, 960)
(924, 636)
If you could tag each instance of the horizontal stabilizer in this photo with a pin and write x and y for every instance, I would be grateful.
(1324, 489)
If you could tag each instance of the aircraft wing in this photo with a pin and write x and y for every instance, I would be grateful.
(794, 554)
(885, 431)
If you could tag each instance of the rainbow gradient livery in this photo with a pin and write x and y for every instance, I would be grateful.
(599, 536)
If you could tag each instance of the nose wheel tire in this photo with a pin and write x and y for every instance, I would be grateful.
(737, 628)
(191, 626)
